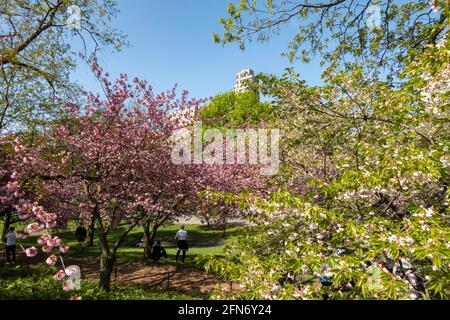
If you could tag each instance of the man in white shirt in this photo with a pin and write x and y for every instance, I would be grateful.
(182, 244)
(11, 246)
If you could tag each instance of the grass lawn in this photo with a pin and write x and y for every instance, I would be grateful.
(202, 241)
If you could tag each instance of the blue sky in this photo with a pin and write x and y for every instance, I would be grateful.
(172, 43)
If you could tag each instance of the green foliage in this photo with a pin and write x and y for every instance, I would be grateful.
(374, 34)
(232, 109)
(364, 197)
(37, 56)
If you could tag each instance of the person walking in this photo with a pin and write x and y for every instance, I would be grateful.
(81, 234)
(182, 244)
(11, 246)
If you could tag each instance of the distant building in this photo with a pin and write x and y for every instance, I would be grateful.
(242, 77)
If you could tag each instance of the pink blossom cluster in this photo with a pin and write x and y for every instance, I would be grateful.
(41, 220)
(62, 275)
(46, 241)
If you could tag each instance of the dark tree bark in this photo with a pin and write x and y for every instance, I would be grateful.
(106, 269)
(108, 254)
(91, 232)
(224, 230)
(149, 236)
(149, 240)
(106, 259)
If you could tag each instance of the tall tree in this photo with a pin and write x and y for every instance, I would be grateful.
(231, 109)
(373, 34)
(37, 53)
(94, 165)
(364, 213)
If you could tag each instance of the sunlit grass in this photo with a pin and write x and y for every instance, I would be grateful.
(202, 241)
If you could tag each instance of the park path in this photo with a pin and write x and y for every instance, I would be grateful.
(159, 275)
(197, 220)
(165, 276)
(155, 275)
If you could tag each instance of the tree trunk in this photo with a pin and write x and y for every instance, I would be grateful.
(224, 230)
(91, 232)
(106, 259)
(7, 224)
(149, 239)
(106, 269)
(108, 255)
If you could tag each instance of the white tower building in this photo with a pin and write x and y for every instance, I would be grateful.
(241, 77)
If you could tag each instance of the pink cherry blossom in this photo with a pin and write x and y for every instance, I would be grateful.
(71, 270)
(42, 240)
(63, 248)
(12, 186)
(51, 261)
(60, 275)
(47, 249)
(57, 241)
(50, 243)
(51, 225)
(14, 175)
(31, 252)
(22, 235)
(24, 216)
(67, 286)
(34, 227)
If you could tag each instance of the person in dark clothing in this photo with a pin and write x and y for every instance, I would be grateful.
(325, 281)
(158, 251)
(81, 234)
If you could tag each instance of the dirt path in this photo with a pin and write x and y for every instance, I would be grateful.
(197, 220)
(160, 276)
(157, 275)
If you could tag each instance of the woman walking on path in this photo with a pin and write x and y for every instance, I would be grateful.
(182, 244)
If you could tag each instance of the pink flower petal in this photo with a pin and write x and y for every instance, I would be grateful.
(31, 252)
(51, 261)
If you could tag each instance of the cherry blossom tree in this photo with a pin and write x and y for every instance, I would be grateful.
(109, 163)
(180, 192)
(94, 165)
(18, 196)
(231, 179)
